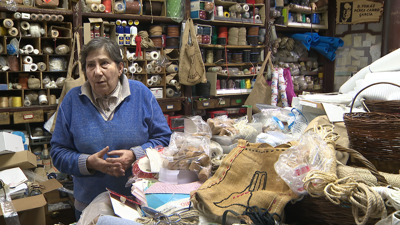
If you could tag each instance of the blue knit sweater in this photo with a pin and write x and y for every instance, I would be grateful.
(81, 131)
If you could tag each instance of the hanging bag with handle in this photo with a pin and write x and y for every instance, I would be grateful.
(70, 82)
(261, 93)
(191, 65)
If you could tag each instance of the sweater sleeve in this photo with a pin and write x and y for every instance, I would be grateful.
(159, 131)
(63, 152)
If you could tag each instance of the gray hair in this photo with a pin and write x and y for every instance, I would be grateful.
(110, 46)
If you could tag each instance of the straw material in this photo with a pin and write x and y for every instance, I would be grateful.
(392, 107)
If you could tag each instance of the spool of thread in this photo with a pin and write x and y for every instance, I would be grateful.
(245, 8)
(216, 69)
(227, 15)
(93, 1)
(25, 25)
(172, 68)
(13, 31)
(154, 55)
(152, 8)
(139, 77)
(231, 84)
(155, 31)
(209, 56)
(94, 7)
(16, 101)
(233, 36)
(60, 18)
(17, 15)
(223, 84)
(221, 41)
(173, 82)
(35, 16)
(257, 17)
(253, 40)
(173, 31)
(253, 31)
(54, 33)
(223, 32)
(41, 66)
(233, 15)
(27, 60)
(43, 98)
(157, 40)
(132, 69)
(172, 42)
(27, 102)
(28, 48)
(40, 17)
(10, 101)
(107, 4)
(102, 8)
(34, 67)
(246, 15)
(218, 57)
(150, 82)
(246, 55)
(237, 57)
(169, 92)
(52, 100)
(3, 31)
(3, 102)
(132, 7)
(235, 8)
(158, 69)
(242, 36)
(254, 58)
(229, 57)
(53, 17)
(139, 69)
(125, 70)
(46, 17)
(8, 23)
(119, 7)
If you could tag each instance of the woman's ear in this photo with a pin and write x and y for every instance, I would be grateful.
(121, 68)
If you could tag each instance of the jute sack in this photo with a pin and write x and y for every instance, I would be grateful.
(191, 65)
(245, 178)
(261, 93)
(70, 82)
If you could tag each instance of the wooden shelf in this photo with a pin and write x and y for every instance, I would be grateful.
(28, 9)
(231, 46)
(143, 18)
(30, 108)
(232, 64)
(227, 23)
(229, 3)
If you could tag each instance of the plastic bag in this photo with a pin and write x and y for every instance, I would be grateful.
(101, 205)
(294, 163)
(222, 125)
(196, 126)
(188, 152)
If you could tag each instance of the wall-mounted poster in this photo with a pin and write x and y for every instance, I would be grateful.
(358, 11)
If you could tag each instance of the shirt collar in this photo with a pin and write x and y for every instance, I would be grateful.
(124, 89)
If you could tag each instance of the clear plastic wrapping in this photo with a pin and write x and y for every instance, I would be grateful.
(222, 125)
(311, 153)
(188, 152)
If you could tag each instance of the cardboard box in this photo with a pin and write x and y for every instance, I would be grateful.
(22, 159)
(87, 31)
(10, 143)
(31, 210)
(157, 92)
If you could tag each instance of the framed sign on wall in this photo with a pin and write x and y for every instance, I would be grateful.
(358, 11)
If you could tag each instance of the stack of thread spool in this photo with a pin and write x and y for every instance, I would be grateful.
(153, 67)
(97, 6)
(129, 7)
(8, 28)
(222, 35)
(173, 36)
(28, 64)
(233, 36)
(156, 36)
(242, 36)
(252, 36)
(154, 80)
(254, 55)
(235, 10)
(135, 68)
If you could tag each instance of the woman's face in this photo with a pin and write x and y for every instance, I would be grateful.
(102, 72)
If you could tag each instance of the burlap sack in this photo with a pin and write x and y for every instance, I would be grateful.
(70, 82)
(261, 93)
(245, 178)
(191, 65)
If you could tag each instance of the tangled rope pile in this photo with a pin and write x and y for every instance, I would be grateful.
(146, 41)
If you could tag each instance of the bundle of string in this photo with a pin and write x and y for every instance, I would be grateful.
(223, 32)
(155, 31)
(347, 189)
(253, 31)
(172, 42)
(242, 36)
(173, 31)
(218, 55)
(392, 194)
(153, 8)
(254, 215)
(146, 42)
(157, 41)
(187, 217)
(233, 36)
(246, 55)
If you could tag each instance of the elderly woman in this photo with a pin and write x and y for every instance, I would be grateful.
(106, 124)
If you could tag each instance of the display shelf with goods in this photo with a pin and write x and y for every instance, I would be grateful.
(36, 49)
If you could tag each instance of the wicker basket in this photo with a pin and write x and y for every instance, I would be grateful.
(321, 211)
(374, 135)
(391, 107)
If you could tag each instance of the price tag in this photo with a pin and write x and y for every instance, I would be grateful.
(170, 106)
(206, 104)
(28, 116)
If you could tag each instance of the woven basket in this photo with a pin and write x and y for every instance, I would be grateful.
(392, 107)
(374, 135)
(321, 211)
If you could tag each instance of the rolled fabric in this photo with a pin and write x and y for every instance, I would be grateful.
(326, 39)
(320, 48)
(169, 92)
(303, 38)
(337, 42)
(315, 36)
